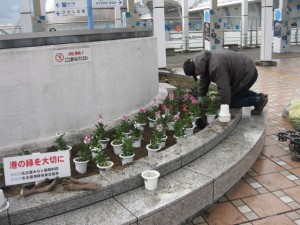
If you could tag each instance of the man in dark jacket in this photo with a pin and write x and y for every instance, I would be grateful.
(232, 72)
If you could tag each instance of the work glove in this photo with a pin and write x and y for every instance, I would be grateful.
(200, 100)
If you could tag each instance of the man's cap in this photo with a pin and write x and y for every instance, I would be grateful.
(189, 68)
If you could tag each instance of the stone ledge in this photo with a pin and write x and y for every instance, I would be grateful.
(37, 207)
(182, 194)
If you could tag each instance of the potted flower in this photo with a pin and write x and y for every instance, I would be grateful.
(151, 113)
(212, 105)
(83, 155)
(163, 120)
(136, 135)
(61, 143)
(171, 104)
(100, 132)
(141, 118)
(95, 145)
(125, 125)
(156, 139)
(189, 126)
(128, 151)
(179, 128)
(193, 107)
(103, 161)
(117, 140)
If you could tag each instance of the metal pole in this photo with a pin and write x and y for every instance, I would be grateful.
(90, 15)
(250, 32)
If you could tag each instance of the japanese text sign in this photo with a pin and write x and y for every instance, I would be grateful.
(36, 167)
(109, 3)
(70, 8)
(71, 56)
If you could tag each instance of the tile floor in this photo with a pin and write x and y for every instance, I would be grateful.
(270, 192)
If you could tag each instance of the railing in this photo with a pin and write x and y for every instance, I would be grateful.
(173, 26)
(10, 30)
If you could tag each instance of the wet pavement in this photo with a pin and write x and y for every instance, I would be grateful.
(270, 191)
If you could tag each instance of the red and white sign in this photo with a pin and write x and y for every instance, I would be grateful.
(36, 167)
(71, 56)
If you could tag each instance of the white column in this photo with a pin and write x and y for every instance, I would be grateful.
(266, 30)
(185, 26)
(118, 20)
(159, 31)
(244, 14)
(130, 5)
(26, 22)
(43, 7)
(213, 4)
(282, 28)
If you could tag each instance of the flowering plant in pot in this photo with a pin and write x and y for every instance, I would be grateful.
(179, 126)
(141, 116)
(100, 128)
(95, 145)
(154, 108)
(212, 101)
(163, 120)
(117, 139)
(83, 155)
(189, 126)
(100, 132)
(136, 134)
(61, 143)
(128, 150)
(125, 124)
(103, 161)
(170, 103)
(84, 150)
(157, 135)
(193, 107)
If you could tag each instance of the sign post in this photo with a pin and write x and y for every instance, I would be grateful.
(36, 167)
(103, 3)
(70, 8)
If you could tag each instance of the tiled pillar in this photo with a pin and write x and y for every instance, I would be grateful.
(118, 19)
(185, 26)
(26, 22)
(159, 32)
(39, 16)
(282, 28)
(244, 23)
(266, 30)
(213, 27)
(266, 34)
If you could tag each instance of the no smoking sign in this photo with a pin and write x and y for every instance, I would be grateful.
(59, 57)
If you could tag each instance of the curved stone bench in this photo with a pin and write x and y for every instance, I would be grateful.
(194, 175)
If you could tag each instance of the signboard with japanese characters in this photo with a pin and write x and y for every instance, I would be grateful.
(108, 3)
(36, 167)
(71, 56)
(70, 8)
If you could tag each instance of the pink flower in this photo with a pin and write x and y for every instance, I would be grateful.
(159, 127)
(184, 108)
(87, 139)
(142, 110)
(171, 96)
(100, 118)
(176, 117)
(187, 91)
(157, 115)
(163, 107)
(185, 97)
(125, 117)
(194, 101)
